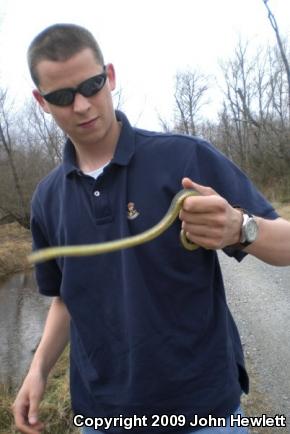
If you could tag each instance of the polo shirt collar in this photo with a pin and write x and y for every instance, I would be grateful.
(124, 150)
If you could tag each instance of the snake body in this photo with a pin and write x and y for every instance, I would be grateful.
(123, 243)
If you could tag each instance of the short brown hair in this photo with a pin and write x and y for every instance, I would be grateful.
(59, 42)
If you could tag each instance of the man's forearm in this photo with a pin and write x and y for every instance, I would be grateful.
(273, 243)
(54, 339)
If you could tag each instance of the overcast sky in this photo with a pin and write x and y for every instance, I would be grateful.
(147, 40)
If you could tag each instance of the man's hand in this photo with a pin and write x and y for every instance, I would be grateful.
(209, 220)
(26, 404)
(54, 339)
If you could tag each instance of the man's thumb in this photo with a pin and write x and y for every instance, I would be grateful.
(203, 190)
(33, 413)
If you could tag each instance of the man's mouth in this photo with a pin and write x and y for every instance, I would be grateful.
(88, 124)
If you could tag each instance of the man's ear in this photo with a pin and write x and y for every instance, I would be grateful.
(41, 101)
(111, 76)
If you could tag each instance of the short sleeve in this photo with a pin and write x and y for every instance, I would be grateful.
(48, 274)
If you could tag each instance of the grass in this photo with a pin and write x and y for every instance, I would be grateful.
(284, 211)
(15, 245)
(55, 409)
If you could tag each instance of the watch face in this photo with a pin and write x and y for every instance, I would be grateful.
(251, 230)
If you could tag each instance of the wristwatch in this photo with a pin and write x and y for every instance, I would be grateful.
(249, 230)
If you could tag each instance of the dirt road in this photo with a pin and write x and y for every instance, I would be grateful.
(259, 296)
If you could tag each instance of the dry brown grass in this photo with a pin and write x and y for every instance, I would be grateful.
(56, 413)
(284, 211)
(15, 245)
(55, 410)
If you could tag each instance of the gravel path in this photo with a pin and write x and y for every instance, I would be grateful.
(259, 296)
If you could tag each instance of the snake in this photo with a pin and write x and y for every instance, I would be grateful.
(49, 253)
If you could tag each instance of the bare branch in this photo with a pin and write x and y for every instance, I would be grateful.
(190, 90)
(275, 27)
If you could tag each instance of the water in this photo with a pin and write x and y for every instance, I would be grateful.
(22, 315)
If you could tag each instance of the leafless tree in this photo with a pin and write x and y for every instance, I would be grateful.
(119, 99)
(238, 114)
(30, 146)
(7, 143)
(191, 87)
(253, 121)
(164, 124)
(281, 46)
(45, 131)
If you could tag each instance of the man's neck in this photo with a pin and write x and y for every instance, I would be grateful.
(96, 155)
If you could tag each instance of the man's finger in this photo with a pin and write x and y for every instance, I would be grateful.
(22, 421)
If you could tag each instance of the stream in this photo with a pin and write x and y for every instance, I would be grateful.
(22, 315)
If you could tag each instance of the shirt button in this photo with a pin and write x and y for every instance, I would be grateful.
(97, 193)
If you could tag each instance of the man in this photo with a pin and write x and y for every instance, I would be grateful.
(151, 335)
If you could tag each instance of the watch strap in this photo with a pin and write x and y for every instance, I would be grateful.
(240, 245)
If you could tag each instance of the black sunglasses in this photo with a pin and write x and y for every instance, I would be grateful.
(87, 88)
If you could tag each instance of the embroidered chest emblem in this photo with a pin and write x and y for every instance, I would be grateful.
(132, 213)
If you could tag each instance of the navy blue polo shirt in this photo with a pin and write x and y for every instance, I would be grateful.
(151, 332)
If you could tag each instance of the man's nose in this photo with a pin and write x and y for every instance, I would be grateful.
(81, 103)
